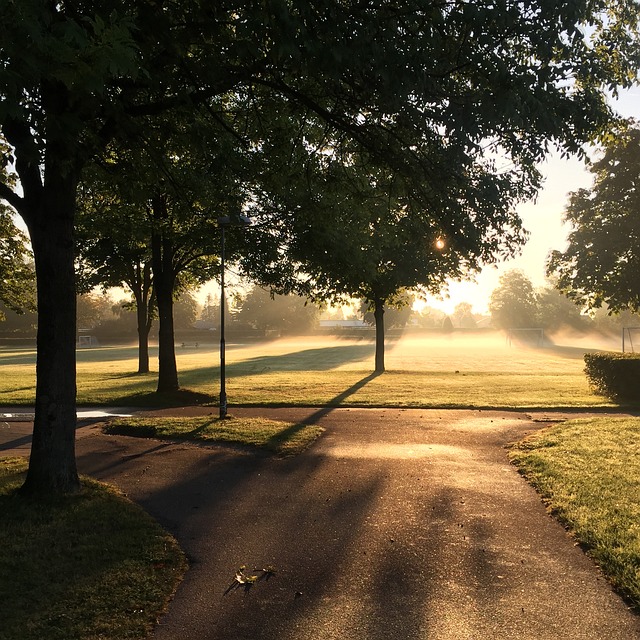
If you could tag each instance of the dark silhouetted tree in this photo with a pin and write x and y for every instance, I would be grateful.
(601, 264)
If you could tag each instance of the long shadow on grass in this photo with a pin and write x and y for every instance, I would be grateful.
(304, 360)
(285, 434)
(133, 388)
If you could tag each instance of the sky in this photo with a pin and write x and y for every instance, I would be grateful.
(543, 220)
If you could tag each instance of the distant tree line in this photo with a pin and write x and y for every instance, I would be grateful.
(515, 304)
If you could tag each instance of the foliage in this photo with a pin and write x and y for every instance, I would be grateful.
(266, 311)
(588, 471)
(426, 91)
(92, 309)
(556, 312)
(606, 321)
(429, 317)
(396, 315)
(601, 263)
(615, 375)
(464, 316)
(23, 323)
(447, 325)
(353, 222)
(513, 302)
(185, 311)
(96, 564)
(17, 275)
(159, 198)
(210, 314)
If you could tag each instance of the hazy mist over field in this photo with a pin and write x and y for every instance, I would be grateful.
(458, 351)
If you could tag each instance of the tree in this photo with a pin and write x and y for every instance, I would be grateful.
(464, 316)
(185, 311)
(395, 316)
(92, 309)
(513, 303)
(601, 264)
(160, 199)
(112, 250)
(266, 311)
(23, 323)
(17, 277)
(210, 314)
(555, 311)
(412, 83)
(369, 229)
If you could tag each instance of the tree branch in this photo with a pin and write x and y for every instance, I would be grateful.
(6, 193)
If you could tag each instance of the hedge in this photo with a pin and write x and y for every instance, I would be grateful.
(615, 375)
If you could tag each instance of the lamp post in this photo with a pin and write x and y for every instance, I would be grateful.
(223, 223)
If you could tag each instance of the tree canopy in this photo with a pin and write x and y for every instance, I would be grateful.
(601, 264)
(513, 302)
(17, 277)
(287, 313)
(439, 94)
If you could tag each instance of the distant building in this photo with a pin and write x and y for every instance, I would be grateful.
(343, 324)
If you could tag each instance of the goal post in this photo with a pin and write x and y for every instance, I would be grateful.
(630, 338)
(526, 336)
(85, 341)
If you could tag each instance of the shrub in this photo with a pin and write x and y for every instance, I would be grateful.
(615, 375)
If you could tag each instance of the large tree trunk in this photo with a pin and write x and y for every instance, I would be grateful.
(142, 293)
(52, 465)
(164, 283)
(167, 368)
(143, 339)
(378, 314)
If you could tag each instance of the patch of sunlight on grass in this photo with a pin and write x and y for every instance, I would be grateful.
(588, 471)
(422, 371)
(273, 436)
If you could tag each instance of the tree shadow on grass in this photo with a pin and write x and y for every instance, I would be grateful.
(153, 399)
(315, 417)
(320, 359)
(135, 387)
(69, 574)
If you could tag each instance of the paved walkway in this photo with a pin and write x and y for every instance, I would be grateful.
(396, 524)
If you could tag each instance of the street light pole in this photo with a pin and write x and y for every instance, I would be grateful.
(223, 390)
(223, 223)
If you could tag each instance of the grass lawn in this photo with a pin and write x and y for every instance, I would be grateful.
(445, 371)
(85, 567)
(95, 566)
(260, 434)
(588, 471)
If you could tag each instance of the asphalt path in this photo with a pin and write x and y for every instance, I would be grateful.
(396, 524)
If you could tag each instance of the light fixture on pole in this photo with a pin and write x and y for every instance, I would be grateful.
(223, 223)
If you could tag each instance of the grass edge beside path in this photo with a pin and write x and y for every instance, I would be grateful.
(258, 434)
(587, 471)
(81, 567)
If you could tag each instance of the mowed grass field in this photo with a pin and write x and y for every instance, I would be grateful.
(422, 371)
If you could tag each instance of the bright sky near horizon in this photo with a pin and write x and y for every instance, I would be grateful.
(542, 218)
